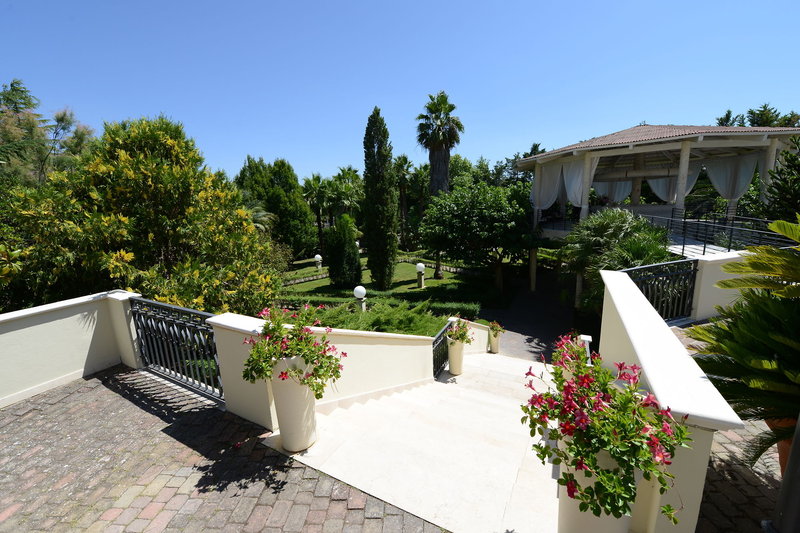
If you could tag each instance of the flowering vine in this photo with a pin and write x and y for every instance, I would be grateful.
(599, 422)
(321, 361)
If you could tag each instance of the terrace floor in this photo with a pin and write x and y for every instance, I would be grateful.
(123, 451)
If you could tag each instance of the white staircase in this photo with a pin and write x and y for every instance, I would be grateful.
(452, 452)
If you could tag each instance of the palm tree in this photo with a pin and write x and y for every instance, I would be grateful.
(402, 169)
(315, 192)
(438, 131)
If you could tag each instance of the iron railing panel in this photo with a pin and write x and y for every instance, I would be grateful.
(177, 343)
(440, 348)
(669, 287)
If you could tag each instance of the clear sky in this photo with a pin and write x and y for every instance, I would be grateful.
(298, 79)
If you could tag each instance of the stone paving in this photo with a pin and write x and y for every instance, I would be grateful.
(124, 451)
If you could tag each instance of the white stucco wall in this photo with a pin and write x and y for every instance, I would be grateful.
(47, 346)
(632, 331)
(707, 296)
(376, 363)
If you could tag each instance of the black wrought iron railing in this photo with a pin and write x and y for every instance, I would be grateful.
(669, 287)
(717, 234)
(440, 349)
(177, 343)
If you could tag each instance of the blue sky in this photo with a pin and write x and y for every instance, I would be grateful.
(299, 79)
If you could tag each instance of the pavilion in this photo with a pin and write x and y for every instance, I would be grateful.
(668, 157)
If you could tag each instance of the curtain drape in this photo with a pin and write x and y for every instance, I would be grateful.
(667, 188)
(573, 179)
(615, 191)
(731, 176)
(544, 190)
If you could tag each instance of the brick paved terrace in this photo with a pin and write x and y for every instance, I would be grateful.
(124, 451)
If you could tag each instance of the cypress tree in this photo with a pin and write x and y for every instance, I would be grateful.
(380, 202)
(344, 265)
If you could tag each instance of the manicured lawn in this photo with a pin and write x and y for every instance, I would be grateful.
(404, 281)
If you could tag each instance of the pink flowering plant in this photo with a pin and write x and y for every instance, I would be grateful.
(602, 428)
(495, 328)
(459, 332)
(321, 360)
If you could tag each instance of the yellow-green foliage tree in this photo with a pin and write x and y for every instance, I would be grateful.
(141, 210)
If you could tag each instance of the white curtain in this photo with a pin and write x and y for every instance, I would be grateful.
(545, 187)
(667, 188)
(615, 191)
(731, 176)
(573, 179)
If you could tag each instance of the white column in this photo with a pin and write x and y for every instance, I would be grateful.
(683, 173)
(537, 188)
(587, 184)
(769, 164)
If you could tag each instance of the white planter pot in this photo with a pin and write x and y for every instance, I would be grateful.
(572, 520)
(295, 406)
(455, 355)
(494, 343)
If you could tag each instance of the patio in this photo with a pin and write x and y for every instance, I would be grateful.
(124, 451)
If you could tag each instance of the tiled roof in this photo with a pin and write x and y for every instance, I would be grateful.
(647, 133)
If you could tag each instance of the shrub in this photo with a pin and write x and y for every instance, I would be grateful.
(388, 317)
(344, 264)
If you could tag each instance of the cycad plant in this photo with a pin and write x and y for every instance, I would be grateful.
(751, 352)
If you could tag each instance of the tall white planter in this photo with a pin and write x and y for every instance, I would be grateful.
(494, 343)
(295, 406)
(455, 355)
(572, 520)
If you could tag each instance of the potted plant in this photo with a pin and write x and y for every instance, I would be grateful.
(604, 432)
(750, 351)
(458, 335)
(299, 365)
(495, 329)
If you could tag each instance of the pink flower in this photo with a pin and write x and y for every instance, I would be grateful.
(537, 400)
(305, 306)
(584, 380)
(650, 400)
(581, 420)
(307, 330)
(341, 366)
(567, 428)
(571, 488)
(580, 465)
(263, 313)
(620, 366)
(320, 306)
(284, 375)
(328, 329)
(666, 428)
(344, 354)
(529, 373)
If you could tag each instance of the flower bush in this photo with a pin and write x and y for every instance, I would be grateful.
(496, 329)
(322, 361)
(459, 332)
(599, 423)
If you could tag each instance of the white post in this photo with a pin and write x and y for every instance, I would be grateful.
(683, 173)
(587, 184)
(769, 164)
(124, 330)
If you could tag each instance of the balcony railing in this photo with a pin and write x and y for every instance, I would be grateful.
(669, 287)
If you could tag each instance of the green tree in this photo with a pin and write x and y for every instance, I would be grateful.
(315, 192)
(345, 193)
(142, 209)
(783, 192)
(439, 132)
(750, 352)
(481, 224)
(611, 239)
(380, 202)
(402, 167)
(30, 146)
(344, 263)
(275, 187)
(729, 119)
